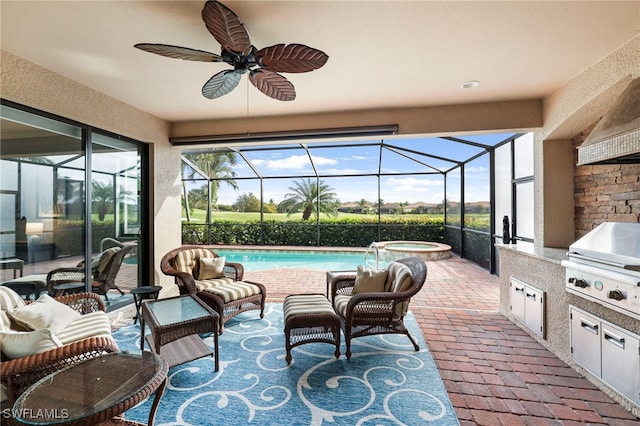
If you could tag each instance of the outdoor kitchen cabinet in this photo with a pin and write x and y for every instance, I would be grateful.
(527, 305)
(609, 352)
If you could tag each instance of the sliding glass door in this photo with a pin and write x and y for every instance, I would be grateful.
(49, 168)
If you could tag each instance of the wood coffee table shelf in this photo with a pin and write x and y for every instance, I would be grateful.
(175, 324)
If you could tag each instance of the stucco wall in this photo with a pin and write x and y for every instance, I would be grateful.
(545, 275)
(448, 120)
(567, 113)
(29, 84)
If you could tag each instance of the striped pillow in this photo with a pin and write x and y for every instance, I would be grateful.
(305, 304)
(9, 299)
(202, 285)
(234, 291)
(94, 324)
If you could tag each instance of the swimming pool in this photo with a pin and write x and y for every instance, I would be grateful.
(257, 260)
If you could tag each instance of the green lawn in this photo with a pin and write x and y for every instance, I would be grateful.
(198, 216)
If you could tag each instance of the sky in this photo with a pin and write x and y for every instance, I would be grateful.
(341, 168)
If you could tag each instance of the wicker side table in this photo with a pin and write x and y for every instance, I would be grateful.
(310, 318)
(175, 325)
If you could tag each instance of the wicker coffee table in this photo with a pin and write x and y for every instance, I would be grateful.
(175, 323)
(94, 391)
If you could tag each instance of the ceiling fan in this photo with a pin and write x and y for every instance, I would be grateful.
(262, 65)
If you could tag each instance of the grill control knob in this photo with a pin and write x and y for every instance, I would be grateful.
(580, 283)
(615, 295)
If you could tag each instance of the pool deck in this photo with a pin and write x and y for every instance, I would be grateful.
(289, 248)
(494, 372)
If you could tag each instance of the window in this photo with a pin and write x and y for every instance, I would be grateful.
(50, 167)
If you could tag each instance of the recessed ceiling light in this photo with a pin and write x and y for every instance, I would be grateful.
(470, 84)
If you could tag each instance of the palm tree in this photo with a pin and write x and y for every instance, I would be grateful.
(364, 205)
(103, 196)
(215, 165)
(308, 196)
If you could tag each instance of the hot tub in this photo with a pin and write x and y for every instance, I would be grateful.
(424, 249)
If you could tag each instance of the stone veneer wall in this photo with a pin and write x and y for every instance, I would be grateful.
(605, 193)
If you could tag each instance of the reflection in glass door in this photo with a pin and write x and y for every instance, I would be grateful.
(115, 204)
(44, 188)
(42, 164)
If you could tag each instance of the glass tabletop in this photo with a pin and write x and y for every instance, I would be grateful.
(176, 309)
(88, 388)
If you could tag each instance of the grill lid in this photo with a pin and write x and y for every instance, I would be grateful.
(613, 243)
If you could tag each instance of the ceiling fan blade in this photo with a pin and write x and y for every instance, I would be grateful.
(178, 52)
(291, 58)
(220, 84)
(225, 26)
(273, 85)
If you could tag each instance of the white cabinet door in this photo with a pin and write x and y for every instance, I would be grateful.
(527, 305)
(516, 296)
(534, 310)
(585, 341)
(621, 361)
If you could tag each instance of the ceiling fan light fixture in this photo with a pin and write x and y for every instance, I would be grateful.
(470, 84)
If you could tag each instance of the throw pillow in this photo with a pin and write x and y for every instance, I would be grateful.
(105, 258)
(368, 280)
(211, 267)
(45, 312)
(9, 299)
(17, 344)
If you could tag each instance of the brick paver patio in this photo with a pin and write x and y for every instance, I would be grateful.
(495, 373)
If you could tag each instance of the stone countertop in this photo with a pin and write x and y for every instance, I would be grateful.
(554, 255)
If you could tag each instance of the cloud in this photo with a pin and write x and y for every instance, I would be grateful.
(293, 162)
(413, 182)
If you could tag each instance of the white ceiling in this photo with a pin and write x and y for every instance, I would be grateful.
(382, 54)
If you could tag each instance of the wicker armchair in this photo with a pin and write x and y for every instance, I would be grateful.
(20, 373)
(380, 312)
(103, 274)
(228, 295)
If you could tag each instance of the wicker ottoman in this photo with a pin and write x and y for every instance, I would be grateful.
(309, 318)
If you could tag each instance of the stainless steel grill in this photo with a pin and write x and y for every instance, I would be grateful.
(604, 267)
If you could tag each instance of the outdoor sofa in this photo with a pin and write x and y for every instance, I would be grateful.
(41, 337)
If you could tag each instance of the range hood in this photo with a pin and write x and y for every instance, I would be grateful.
(616, 138)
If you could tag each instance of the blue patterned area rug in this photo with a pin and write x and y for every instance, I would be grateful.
(385, 383)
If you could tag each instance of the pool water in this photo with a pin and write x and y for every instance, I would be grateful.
(256, 260)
